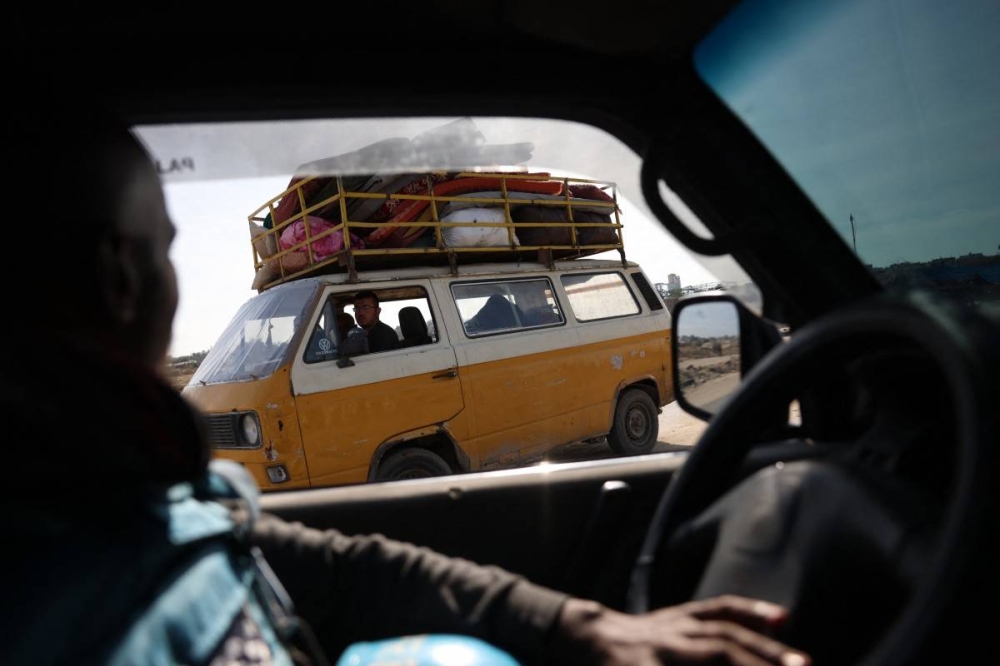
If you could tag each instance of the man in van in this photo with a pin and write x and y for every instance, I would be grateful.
(381, 337)
(96, 558)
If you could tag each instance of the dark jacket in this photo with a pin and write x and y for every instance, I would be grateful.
(98, 434)
(382, 338)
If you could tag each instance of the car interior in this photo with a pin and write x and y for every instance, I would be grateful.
(870, 516)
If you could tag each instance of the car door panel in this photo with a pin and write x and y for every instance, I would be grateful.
(345, 413)
(576, 527)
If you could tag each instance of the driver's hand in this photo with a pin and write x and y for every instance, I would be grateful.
(722, 630)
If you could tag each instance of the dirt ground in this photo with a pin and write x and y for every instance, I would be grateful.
(179, 378)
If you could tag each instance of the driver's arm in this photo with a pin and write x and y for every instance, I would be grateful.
(355, 588)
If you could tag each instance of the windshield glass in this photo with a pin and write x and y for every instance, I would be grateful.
(885, 113)
(219, 176)
(256, 342)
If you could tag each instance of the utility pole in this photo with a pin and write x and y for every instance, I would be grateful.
(854, 236)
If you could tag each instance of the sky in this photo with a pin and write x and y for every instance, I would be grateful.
(708, 320)
(209, 200)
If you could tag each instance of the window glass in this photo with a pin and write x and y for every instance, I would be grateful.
(405, 312)
(257, 339)
(884, 113)
(401, 315)
(511, 305)
(241, 175)
(324, 338)
(599, 296)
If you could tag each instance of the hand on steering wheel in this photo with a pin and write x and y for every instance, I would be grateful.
(862, 557)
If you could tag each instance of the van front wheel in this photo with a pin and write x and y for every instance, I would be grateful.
(636, 425)
(411, 464)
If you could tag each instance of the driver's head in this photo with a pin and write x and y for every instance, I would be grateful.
(93, 209)
(366, 309)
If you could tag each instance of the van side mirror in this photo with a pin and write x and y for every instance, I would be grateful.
(716, 340)
(354, 344)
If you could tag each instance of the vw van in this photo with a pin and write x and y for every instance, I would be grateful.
(496, 364)
(497, 361)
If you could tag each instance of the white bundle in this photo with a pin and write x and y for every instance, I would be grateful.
(476, 237)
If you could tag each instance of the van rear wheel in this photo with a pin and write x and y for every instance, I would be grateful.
(636, 425)
(411, 464)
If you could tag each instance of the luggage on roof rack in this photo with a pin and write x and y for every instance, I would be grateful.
(344, 223)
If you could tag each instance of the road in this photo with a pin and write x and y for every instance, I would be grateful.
(710, 361)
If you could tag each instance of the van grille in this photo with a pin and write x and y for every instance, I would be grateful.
(225, 432)
(222, 430)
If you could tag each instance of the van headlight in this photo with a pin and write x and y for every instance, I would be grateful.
(250, 429)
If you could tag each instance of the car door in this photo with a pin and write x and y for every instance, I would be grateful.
(346, 412)
(519, 369)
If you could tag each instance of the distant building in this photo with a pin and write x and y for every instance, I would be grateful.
(673, 282)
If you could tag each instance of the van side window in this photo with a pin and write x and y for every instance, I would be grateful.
(599, 296)
(507, 305)
(404, 310)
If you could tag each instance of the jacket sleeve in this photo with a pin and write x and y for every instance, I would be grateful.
(357, 588)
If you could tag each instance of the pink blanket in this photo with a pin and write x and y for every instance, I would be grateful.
(323, 248)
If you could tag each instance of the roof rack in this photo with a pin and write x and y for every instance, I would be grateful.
(310, 228)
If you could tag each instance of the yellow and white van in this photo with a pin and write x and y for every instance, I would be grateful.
(496, 363)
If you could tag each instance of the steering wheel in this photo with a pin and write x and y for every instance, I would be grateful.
(865, 555)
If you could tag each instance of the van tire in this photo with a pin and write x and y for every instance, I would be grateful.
(636, 425)
(411, 464)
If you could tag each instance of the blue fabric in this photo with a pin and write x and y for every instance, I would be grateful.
(191, 618)
(187, 622)
(426, 650)
(162, 584)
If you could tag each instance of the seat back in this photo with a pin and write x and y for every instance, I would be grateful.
(413, 327)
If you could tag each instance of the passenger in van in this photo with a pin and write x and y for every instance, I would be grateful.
(497, 314)
(133, 508)
(381, 337)
(530, 297)
(345, 322)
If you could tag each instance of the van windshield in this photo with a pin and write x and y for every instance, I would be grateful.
(258, 339)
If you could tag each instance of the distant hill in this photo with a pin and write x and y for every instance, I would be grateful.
(972, 278)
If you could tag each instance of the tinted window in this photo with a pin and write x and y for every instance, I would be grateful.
(512, 305)
(600, 296)
(647, 291)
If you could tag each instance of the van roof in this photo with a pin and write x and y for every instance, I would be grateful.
(468, 270)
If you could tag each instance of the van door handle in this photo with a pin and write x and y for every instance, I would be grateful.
(450, 374)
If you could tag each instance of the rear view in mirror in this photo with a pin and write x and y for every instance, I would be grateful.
(708, 353)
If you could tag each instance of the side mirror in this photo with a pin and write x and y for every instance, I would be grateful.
(355, 344)
(716, 340)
